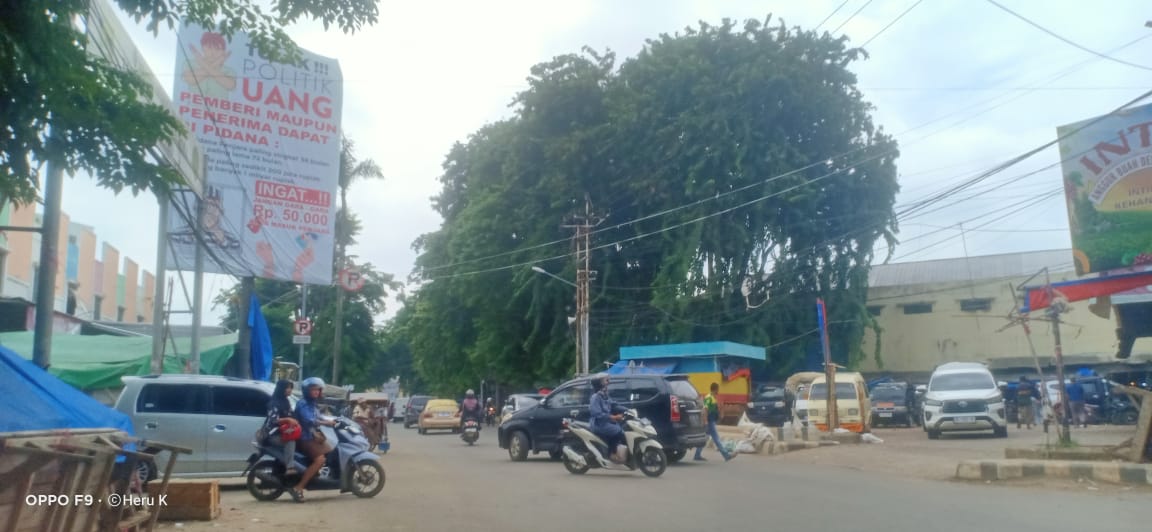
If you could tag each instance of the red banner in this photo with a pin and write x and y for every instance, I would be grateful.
(1039, 297)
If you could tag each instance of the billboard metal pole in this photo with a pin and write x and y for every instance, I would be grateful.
(158, 290)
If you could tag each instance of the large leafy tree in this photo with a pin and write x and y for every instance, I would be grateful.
(716, 154)
(62, 104)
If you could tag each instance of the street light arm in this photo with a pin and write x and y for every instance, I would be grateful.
(538, 269)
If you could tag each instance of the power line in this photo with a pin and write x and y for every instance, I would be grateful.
(830, 15)
(852, 16)
(1065, 39)
(894, 21)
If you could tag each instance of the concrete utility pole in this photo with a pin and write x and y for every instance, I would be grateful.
(1054, 310)
(584, 275)
(46, 277)
(304, 316)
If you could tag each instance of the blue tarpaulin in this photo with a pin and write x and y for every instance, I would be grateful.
(35, 400)
(261, 342)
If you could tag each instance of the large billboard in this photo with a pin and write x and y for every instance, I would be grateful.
(1108, 186)
(271, 132)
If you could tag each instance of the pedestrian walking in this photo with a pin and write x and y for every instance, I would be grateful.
(1025, 392)
(712, 408)
(1075, 393)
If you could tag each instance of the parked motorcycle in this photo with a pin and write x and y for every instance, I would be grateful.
(350, 466)
(583, 450)
(471, 432)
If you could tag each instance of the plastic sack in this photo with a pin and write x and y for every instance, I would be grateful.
(868, 437)
(746, 446)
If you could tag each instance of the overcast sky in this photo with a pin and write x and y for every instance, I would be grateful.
(429, 74)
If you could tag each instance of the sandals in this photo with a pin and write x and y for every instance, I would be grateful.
(297, 495)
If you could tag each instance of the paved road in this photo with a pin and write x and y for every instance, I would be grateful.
(436, 483)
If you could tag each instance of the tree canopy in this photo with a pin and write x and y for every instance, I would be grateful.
(726, 159)
(60, 103)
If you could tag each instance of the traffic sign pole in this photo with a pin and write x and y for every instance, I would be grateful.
(303, 315)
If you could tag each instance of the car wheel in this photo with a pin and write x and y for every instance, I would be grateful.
(933, 435)
(1126, 417)
(1000, 432)
(518, 446)
(675, 455)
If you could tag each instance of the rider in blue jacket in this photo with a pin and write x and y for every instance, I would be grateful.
(605, 415)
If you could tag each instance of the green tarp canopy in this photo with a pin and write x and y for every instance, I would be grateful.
(98, 362)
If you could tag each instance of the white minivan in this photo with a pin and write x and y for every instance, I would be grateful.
(963, 396)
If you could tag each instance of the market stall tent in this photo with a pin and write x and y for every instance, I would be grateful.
(97, 362)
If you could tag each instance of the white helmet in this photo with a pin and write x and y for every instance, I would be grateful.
(470, 393)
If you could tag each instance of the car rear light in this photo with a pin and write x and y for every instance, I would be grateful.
(428, 414)
(457, 414)
(675, 403)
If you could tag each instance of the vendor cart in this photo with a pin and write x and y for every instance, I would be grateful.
(373, 418)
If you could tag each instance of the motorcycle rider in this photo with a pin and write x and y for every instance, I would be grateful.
(308, 413)
(470, 408)
(605, 414)
(279, 418)
(490, 411)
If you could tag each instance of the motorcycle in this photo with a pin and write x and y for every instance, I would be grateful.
(490, 416)
(350, 466)
(583, 450)
(471, 432)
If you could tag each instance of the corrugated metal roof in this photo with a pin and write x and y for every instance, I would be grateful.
(963, 269)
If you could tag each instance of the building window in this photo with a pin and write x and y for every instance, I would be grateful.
(983, 304)
(120, 314)
(99, 302)
(139, 319)
(918, 308)
(875, 309)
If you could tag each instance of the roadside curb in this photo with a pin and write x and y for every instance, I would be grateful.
(1113, 472)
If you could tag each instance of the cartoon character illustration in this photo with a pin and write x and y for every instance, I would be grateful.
(208, 69)
(213, 224)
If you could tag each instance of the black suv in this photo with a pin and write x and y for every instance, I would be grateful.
(412, 410)
(772, 406)
(669, 402)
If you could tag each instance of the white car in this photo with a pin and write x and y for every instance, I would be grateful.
(963, 396)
